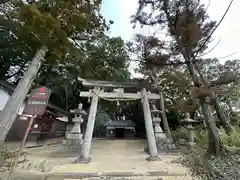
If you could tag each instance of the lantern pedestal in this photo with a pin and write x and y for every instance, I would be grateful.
(163, 144)
(75, 137)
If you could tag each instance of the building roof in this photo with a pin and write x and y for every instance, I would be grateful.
(121, 123)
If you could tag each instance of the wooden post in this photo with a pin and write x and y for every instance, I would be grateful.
(149, 127)
(13, 164)
(84, 157)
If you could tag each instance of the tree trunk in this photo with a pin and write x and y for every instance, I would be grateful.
(215, 145)
(214, 139)
(66, 98)
(203, 120)
(13, 105)
(224, 119)
(228, 101)
(214, 142)
(165, 121)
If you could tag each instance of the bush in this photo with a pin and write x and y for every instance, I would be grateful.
(181, 133)
(201, 138)
(235, 119)
(231, 142)
(223, 167)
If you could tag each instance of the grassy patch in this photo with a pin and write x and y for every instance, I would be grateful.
(6, 157)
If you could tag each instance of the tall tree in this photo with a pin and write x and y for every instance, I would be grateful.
(50, 28)
(190, 30)
(103, 58)
(146, 49)
(13, 59)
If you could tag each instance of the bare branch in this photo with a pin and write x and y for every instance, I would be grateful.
(211, 49)
(209, 2)
(210, 35)
(222, 57)
(174, 63)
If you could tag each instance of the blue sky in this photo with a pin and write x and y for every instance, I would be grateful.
(120, 11)
(229, 32)
(110, 11)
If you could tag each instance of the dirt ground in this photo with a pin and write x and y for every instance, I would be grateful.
(109, 158)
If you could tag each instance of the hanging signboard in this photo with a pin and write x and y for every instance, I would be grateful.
(37, 101)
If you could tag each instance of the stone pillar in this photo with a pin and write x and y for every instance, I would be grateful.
(75, 135)
(190, 135)
(152, 147)
(84, 156)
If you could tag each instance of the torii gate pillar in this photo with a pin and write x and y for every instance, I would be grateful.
(85, 151)
(149, 128)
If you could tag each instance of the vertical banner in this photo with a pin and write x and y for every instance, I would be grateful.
(37, 101)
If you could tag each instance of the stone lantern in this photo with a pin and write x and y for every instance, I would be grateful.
(159, 134)
(75, 135)
(189, 126)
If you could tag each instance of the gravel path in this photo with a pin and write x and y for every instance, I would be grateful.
(108, 156)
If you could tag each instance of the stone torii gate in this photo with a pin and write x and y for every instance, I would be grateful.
(97, 92)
